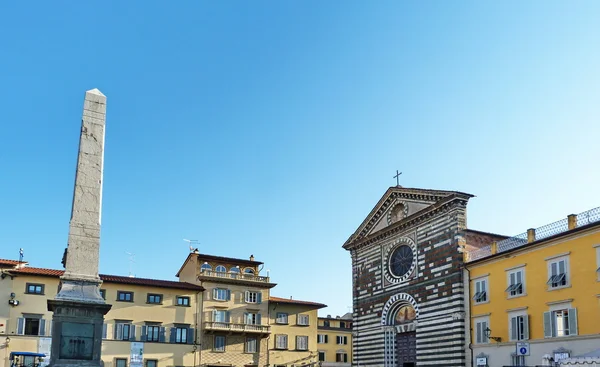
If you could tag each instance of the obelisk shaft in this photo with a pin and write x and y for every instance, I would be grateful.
(80, 281)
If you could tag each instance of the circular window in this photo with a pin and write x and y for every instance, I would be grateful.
(401, 261)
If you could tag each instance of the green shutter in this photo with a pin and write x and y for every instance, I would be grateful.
(526, 327)
(514, 328)
(572, 321)
(548, 325)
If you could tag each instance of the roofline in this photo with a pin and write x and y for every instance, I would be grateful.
(229, 259)
(184, 263)
(297, 302)
(485, 233)
(536, 243)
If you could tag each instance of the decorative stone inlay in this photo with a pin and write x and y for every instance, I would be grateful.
(398, 211)
(389, 275)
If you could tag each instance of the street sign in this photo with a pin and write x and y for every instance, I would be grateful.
(522, 349)
(482, 361)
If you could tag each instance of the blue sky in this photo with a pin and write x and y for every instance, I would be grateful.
(273, 128)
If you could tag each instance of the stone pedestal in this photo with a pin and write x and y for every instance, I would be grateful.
(78, 328)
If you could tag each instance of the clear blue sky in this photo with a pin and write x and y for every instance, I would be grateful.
(273, 128)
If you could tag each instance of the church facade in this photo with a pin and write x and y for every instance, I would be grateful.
(409, 306)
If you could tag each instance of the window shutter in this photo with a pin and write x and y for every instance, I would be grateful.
(144, 335)
(259, 297)
(514, 328)
(214, 316)
(548, 325)
(298, 341)
(119, 332)
(246, 321)
(477, 333)
(190, 335)
(572, 321)
(42, 328)
(258, 319)
(227, 316)
(477, 287)
(345, 358)
(345, 340)
(132, 333)
(173, 335)
(228, 296)
(20, 326)
(104, 335)
(214, 293)
(526, 327)
(161, 334)
(246, 296)
(484, 337)
(326, 338)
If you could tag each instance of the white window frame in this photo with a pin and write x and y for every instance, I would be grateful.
(281, 341)
(252, 318)
(571, 328)
(322, 339)
(281, 318)
(303, 320)
(478, 288)
(302, 342)
(513, 289)
(477, 329)
(567, 273)
(521, 320)
(251, 297)
(221, 294)
(341, 340)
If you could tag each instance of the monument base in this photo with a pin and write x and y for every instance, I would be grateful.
(76, 333)
(80, 290)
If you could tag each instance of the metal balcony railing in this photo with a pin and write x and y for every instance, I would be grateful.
(242, 328)
(233, 275)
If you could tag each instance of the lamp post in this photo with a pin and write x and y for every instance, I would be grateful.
(488, 334)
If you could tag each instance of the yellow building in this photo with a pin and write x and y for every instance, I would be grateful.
(540, 288)
(159, 313)
(335, 341)
(293, 340)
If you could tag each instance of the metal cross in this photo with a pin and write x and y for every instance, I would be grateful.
(397, 177)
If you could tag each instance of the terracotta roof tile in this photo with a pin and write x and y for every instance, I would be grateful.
(114, 279)
(11, 262)
(296, 302)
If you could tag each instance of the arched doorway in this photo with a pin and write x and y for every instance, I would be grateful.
(400, 320)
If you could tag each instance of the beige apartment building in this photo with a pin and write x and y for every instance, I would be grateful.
(334, 340)
(219, 314)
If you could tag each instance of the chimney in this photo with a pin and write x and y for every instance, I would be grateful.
(290, 297)
(328, 316)
(251, 257)
(572, 221)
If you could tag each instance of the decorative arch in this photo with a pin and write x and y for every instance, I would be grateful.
(394, 304)
(402, 241)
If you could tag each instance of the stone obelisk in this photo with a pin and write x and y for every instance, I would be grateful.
(78, 307)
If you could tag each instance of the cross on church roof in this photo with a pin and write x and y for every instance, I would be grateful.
(397, 177)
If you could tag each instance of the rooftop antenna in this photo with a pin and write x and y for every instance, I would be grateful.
(193, 244)
(131, 261)
(21, 255)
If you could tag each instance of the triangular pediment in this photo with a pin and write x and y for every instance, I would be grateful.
(397, 204)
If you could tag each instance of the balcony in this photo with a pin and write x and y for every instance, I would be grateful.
(236, 328)
(233, 277)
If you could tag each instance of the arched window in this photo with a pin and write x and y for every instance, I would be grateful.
(205, 267)
(220, 269)
(249, 271)
(234, 271)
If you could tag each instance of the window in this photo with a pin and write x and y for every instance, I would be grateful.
(103, 293)
(322, 339)
(248, 271)
(516, 284)
(518, 327)
(220, 316)
(153, 333)
(181, 335)
(154, 298)
(151, 363)
(480, 291)
(252, 318)
(253, 297)
(251, 345)
(517, 360)
(321, 356)
(282, 318)
(326, 323)
(561, 322)
(341, 357)
(220, 269)
(123, 296)
(205, 267)
(34, 288)
(235, 271)
(303, 320)
(183, 301)
(481, 324)
(342, 325)
(219, 343)
(280, 341)
(31, 326)
(301, 342)
(558, 273)
(122, 331)
(221, 294)
(121, 362)
(341, 340)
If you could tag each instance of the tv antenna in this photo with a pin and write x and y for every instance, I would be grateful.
(131, 261)
(193, 244)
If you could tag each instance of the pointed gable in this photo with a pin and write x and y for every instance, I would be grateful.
(397, 204)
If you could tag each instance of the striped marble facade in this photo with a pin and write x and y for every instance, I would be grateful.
(434, 287)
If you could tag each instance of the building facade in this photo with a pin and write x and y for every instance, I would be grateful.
(540, 288)
(334, 338)
(408, 283)
(158, 315)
